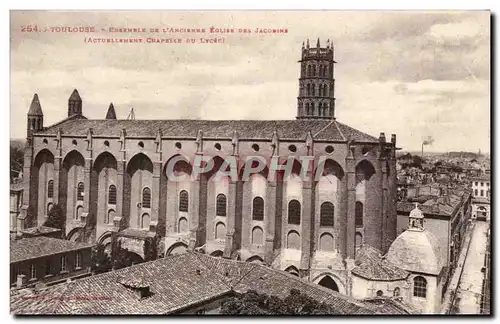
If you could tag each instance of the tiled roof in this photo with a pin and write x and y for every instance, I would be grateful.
(40, 230)
(390, 306)
(35, 247)
(176, 282)
(371, 265)
(330, 130)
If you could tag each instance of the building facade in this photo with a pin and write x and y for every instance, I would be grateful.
(446, 217)
(111, 178)
(47, 260)
(481, 190)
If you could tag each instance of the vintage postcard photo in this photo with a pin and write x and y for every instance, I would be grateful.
(250, 162)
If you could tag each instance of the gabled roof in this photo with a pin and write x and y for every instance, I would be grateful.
(39, 246)
(176, 282)
(35, 107)
(327, 130)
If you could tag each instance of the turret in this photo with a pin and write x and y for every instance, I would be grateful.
(35, 117)
(111, 114)
(74, 104)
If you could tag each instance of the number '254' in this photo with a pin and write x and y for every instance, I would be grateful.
(29, 29)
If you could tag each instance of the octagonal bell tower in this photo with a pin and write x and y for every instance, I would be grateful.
(316, 98)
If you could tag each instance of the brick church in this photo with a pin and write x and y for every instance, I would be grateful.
(108, 176)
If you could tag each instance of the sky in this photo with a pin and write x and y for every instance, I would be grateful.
(415, 74)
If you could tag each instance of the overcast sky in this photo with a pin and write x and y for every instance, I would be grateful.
(413, 74)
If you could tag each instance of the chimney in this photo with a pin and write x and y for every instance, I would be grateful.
(393, 139)
(143, 292)
(21, 281)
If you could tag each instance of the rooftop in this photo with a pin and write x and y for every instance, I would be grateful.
(176, 283)
(39, 246)
(328, 130)
(370, 264)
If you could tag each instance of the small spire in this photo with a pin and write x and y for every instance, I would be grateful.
(328, 43)
(302, 45)
(35, 107)
(307, 44)
(111, 114)
(75, 96)
(317, 44)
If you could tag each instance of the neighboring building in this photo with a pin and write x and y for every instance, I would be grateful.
(481, 191)
(109, 176)
(413, 271)
(420, 253)
(188, 283)
(47, 260)
(481, 186)
(374, 276)
(16, 199)
(446, 217)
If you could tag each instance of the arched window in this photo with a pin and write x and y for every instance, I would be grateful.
(112, 195)
(397, 292)
(110, 216)
(257, 236)
(358, 241)
(420, 287)
(309, 70)
(326, 214)
(220, 208)
(183, 201)
(313, 89)
(358, 214)
(146, 198)
(79, 191)
(308, 89)
(308, 112)
(49, 207)
(320, 108)
(50, 189)
(314, 70)
(312, 108)
(325, 109)
(220, 231)
(145, 221)
(325, 91)
(258, 209)
(79, 212)
(294, 212)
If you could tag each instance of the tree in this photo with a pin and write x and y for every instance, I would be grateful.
(121, 258)
(56, 218)
(296, 303)
(16, 158)
(151, 248)
(101, 262)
